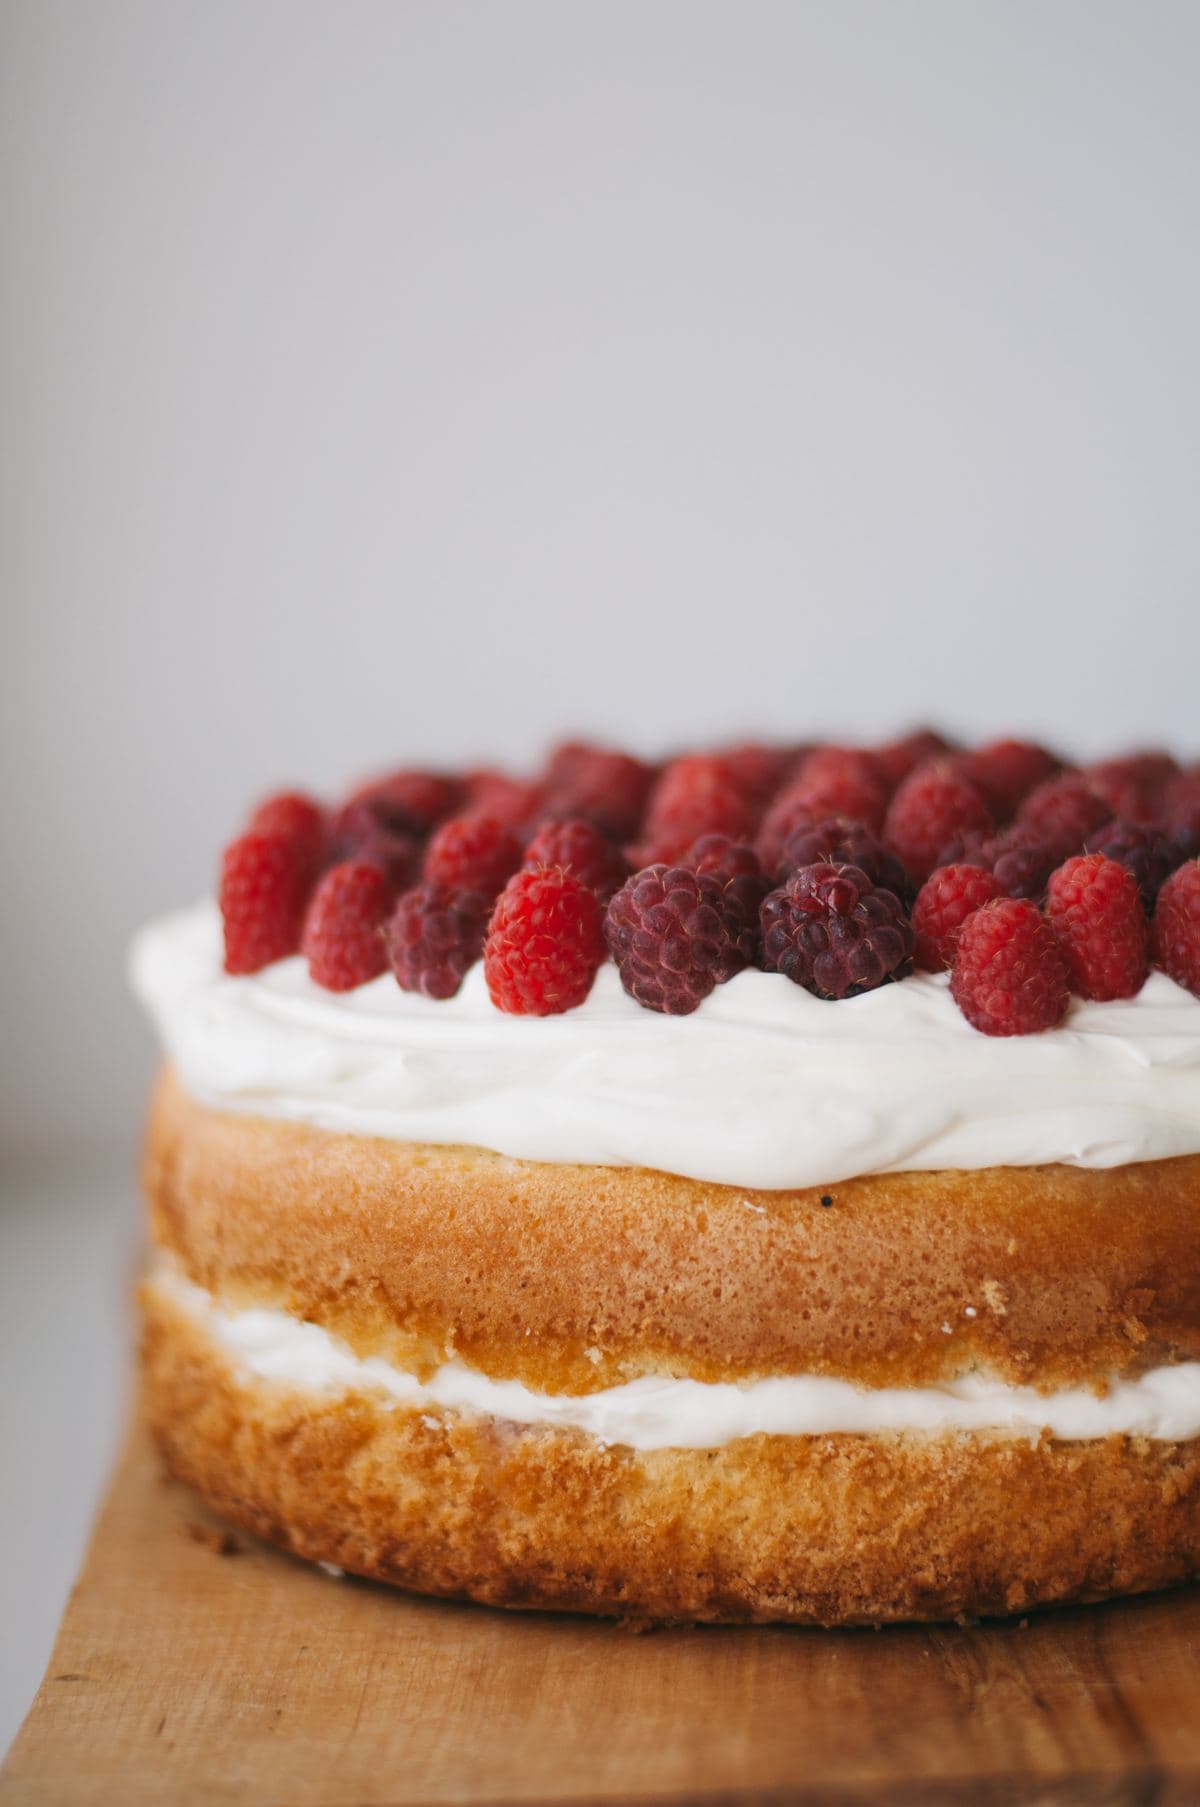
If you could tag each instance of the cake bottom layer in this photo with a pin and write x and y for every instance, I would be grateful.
(838, 1529)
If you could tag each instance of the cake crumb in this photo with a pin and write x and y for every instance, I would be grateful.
(748, 1204)
(594, 1356)
(969, 1311)
(996, 1297)
(947, 1330)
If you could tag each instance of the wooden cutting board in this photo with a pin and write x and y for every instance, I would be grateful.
(193, 1667)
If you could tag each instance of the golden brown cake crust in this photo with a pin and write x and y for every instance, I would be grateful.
(840, 1529)
(571, 1278)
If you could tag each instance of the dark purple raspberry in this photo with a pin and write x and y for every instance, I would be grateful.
(1020, 861)
(434, 935)
(1143, 849)
(667, 930)
(830, 930)
(839, 841)
(744, 885)
(360, 831)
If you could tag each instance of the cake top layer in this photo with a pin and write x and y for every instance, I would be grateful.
(763, 1085)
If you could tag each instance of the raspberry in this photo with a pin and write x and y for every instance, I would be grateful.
(435, 935)
(1005, 771)
(294, 815)
(606, 788)
(1008, 976)
(1177, 927)
(789, 813)
(696, 795)
(830, 930)
(934, 804)
(342, 941)
(1181, 802)
(544, 943)
(472, 853)
(411, 802)
(1093, 906)
(516, 803)
(943, 904)
(582, 850)
(667, 931)
(900, 757)
(743, 886)
(356, 832)
(844, 843)
(1020, 861)
(1142, 848)
(1063, 812)
(844, 781)
(264, 887)
(1134, 785)
(758, 768)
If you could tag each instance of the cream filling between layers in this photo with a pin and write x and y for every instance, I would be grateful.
(763, 1086)
(651, 1413)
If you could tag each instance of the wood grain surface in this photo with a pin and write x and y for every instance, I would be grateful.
(192, 1666)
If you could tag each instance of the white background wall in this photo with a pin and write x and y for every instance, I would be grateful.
(413, 380)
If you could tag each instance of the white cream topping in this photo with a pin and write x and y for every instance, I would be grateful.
(764, 1085)
(654, 1413)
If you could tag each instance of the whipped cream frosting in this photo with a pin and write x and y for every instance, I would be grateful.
(665, 1413)
(763, 1086)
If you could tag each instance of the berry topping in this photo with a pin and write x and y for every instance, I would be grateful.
(1147, 852)
(1005, 771)
(843, 781)
(1181, 803)
(1135, 785)
(843, 843)
(758, 768)
(900, 757)
(932, 806)
(1063, 812)
(668, 932)
(1020, 861)
(832, 931)
(342, 940)
(434, 936)
(1177, 927)
(696, 796)
(357, 832)
(472, 853)
(743, 886)
(1008, 976)
(544, 943)
(1093, 906)
(607, 788)
(265, 882)
(514, 802)
(790, 812)
(411, 802)
(293, 815)
(581, 850)
(943, 904)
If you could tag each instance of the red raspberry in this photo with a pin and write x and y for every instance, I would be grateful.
(696, 795)
(1093, 906)
(743, 886)
(606, 788)
(356, 832)
(544, 943)
(1142, 848)
(343, 942)
(900, 757)
(1177, 927)
(265, 883)
(1008, 976)
(435, 935)
(411, 802)
(1063, 812)
(1005, 771)
(1181, 802)
(472, 853)
(1134, 785)
(831, 931)
(933, 805)
(943, 904)
(843, 781)
(667, 931)
(790, 812)
(293, 814)
(516, 803)
(1020, 861)
(581, 850)
(758, 768)
(844, 843)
